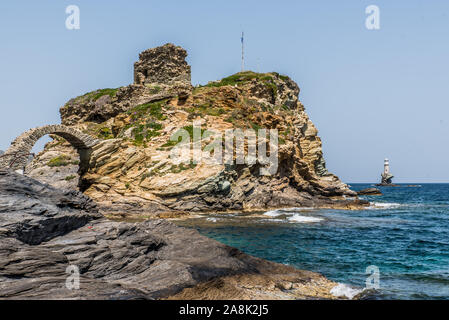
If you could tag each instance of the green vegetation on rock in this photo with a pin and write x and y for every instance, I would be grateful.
(102, 92)
(240, 78)
(105, 133)
(181, 167)
(154, 89)
(205, 109)
(153, 109)
(93, 96)
(145, 121)
(59, 161)
(190, 129)
(243, 77)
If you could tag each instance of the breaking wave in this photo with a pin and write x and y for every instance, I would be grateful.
(303, 219)
(292, 215)
(384, 205)
(344, 290)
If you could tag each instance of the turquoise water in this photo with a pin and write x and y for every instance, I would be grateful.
(405, 233)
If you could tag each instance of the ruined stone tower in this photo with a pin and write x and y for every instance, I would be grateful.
(162, 65)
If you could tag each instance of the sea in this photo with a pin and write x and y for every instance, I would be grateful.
(397, 248)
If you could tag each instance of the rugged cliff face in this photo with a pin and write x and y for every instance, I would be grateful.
(132, 170)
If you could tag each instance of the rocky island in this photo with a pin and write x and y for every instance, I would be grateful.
(130, 170)
(110, 156)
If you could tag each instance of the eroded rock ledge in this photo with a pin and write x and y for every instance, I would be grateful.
(43, 230)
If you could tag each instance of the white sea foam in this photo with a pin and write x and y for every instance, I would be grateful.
(273, 220)
(286, 211)
(344, 290)
(384, 205)
(273, 213)
(296, 209)
(303, 219)
(212, 219)
(292, 215)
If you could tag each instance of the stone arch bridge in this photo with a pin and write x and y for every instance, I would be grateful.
(17, 155)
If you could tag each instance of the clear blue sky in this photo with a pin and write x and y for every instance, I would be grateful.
(371, 94)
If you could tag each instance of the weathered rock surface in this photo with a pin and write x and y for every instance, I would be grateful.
(44, 230)
(131, 170)
(370, 192)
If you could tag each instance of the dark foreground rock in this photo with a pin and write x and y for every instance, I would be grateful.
(44, 230)
(370, 192)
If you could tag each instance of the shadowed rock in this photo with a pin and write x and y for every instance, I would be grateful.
(44, 230)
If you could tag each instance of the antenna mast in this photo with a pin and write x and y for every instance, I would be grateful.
(243, 57)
